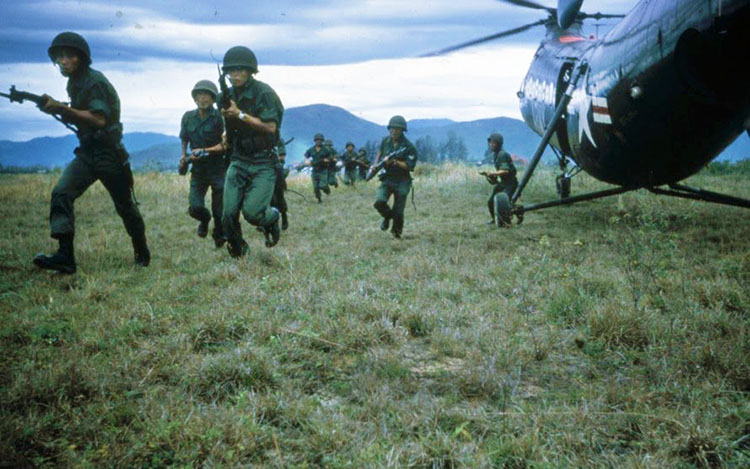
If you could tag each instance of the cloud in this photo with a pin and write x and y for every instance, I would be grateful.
(155, 93)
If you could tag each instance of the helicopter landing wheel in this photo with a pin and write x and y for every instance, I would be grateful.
(563, 186)
(502, 210)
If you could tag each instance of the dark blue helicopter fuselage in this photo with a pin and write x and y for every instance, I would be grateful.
(666, 90)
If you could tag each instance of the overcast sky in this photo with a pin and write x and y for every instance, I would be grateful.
(359, 55)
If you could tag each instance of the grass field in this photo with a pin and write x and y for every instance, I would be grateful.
(610, 333)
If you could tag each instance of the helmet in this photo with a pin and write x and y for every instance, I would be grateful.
(319, 137)
(497, 138)
(207, 86)
(72, 40)
(328, 143)
(398, 122)
(362, 151)
(240, 57)
(349, 144)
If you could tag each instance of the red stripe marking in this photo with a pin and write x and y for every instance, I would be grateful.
(600, 109)
(567, 39)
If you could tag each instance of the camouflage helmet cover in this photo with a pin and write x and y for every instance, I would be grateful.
(362, 151)
(207, 86)
(328, 143)
(497, 138)
(240, 57)
(318, 136)
(397, 122)
(72, 40)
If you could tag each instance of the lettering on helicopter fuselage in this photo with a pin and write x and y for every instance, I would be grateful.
(539, 90)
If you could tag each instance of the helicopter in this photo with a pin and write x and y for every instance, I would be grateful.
(646, 105)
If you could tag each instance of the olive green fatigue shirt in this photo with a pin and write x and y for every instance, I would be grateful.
(202, 133)
(394, 173)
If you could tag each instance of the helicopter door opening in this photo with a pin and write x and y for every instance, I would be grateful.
(561, 130)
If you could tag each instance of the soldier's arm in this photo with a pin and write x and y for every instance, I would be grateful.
(233, 112)
(184, 150)
(76, 116)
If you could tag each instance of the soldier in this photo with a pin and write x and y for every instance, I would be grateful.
(202, 129)
(333, 168)
(253, 120)
(95, 110)
(318, 156)
(278, 200)
(397, 177)
(364, 163)
(503, 178)
(351, 165)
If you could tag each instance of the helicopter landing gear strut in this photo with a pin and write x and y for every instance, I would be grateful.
(687, 192)
(551, 126)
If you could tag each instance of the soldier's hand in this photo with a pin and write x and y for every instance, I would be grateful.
(232, 111)
(51, 105)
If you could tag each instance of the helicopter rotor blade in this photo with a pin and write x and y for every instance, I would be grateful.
(598, 16)
(528, 4)
(567, 10)
(481, 40)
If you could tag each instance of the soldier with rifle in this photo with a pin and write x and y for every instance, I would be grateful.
(351, 164)
(398, 157)
(252, 111)
(333, 162)
(364, 163)
(202, 129)
(94, 113)
(503, 179)
(318, 157)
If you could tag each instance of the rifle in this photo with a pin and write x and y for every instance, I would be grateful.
(374, 169)
(225, 99)
(492, 178)
(16, 96)
(182, 169)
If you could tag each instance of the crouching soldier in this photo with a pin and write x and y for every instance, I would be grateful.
(503, 179)
(401, 159)
(95, 110)
(202, 129)
(253, 120)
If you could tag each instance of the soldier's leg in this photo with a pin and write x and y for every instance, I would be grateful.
(197, 198)
(491, 201)
(282, 206)
(381, 204)
(217, 204)
(234, 189)
(400, 196)
(118, 186)
(332, 179)
(256, 206)
(73, 182)
(315, 176)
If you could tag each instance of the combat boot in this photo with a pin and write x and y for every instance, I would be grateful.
(62, 261)
(203, 228)
(218, 237)
(272, 232)
(385, 223)
(141, 252)
(284, 221)
(237, 250)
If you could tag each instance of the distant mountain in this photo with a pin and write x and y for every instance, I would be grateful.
(161, 152)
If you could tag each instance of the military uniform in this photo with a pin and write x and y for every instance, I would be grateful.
(319, 173)
(332, 166)
(100, 156)
(362, 158)
(349, 159)
(251, 176)
(506, 183)
(395, 181)
(278, 200)
(207, 172)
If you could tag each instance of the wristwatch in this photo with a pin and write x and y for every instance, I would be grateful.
(241, 116)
